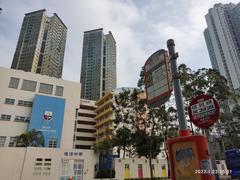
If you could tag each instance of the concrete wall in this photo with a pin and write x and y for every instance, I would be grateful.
(19, 163)
(11, 163)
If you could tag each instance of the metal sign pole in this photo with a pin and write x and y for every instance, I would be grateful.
(177, 88)
(213, 160)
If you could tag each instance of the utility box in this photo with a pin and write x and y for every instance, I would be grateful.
(189, 158)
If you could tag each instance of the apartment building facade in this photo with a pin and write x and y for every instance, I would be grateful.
(98, 69)
(223, 42)
(41, 44)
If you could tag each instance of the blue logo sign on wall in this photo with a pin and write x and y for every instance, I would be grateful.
(47, 116)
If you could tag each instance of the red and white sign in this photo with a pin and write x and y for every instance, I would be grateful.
(204, 111)
(157, 78)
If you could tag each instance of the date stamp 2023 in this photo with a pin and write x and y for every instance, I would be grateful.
(212, 171)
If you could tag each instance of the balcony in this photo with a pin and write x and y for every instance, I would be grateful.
(104, 122)
(104, 113)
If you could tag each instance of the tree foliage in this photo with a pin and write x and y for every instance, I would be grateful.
(103, 147)
(146, 126)
(204, 81)
(30, 138)
(209, 81)
(123, 139)
(140, 83)
(236, 111)
(143, 143)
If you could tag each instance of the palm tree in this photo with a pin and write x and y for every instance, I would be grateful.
(30, 138)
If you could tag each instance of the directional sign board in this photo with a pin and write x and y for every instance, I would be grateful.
(157, 78)
(204, 111)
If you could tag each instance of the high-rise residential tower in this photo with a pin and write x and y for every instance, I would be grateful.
(98, 70)
(222, 37)
(41, 44)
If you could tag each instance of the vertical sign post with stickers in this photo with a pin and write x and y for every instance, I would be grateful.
(188, 154)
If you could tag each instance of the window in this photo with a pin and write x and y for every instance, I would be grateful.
(22, 119)
(9, 101)
(72, 168)
(59, 91)
(42, 167)
(13, 83)
(25, 103)
(2, 141)
(52, 143)
(29, 85)
(5, 117)
(12, 142)
(45, 88)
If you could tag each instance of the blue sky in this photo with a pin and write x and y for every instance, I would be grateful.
(140, 28)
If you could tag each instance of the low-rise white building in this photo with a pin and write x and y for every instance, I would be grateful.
(46, 164)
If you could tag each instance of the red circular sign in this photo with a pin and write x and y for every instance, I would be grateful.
(204, 111)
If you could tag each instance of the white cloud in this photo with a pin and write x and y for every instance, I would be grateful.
(139, 27)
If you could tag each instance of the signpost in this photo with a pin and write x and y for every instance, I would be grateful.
(204, 111)
(157, 77)
(189, 155)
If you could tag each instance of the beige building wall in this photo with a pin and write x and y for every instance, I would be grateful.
(12, 159)
(11, 128)
(21, 164)
(11, 163)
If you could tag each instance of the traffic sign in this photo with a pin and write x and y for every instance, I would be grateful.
(203, 111)
(157, 78)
